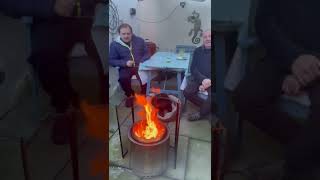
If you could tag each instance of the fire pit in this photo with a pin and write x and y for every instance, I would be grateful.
(149, 142)
(148, 137)
(151, 158)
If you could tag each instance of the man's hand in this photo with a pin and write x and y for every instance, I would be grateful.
(130, 63)
(206, 83)
(64, 7)
(291, 86)
(201, 88)
(306, 68)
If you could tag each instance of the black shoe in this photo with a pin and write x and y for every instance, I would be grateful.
(129, 101)
(61, 129)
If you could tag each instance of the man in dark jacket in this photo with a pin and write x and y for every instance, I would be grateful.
(200, 80)
(55, 29)
(127, 52)
(289, 31)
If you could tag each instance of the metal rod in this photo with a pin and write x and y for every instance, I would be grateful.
(74, 147)
(132, 114)
(119, 127)
(24, 159)
(217, 131)
(176, 135)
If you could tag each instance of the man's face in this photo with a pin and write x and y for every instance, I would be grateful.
(126, 34)
(207, 39)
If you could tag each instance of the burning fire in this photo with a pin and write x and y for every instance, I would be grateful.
(149, 128)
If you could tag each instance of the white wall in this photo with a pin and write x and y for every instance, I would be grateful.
(123, 7)
(171, 32)
(175, 29)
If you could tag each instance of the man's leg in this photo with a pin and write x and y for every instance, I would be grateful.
(49, 54)
(303, 152)
(255, 99)
(81, 32)
(125, 81)
(125, 75)
(191, 91)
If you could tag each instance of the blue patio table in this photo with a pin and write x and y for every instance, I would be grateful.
(166, 61)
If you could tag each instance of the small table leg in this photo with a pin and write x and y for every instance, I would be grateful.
(178, 85)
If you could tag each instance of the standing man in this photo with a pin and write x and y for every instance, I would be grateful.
(200, 80)
(127, 52)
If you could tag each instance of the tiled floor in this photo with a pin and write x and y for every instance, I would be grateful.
(47, 161)
(51, 162)
(257, 151)
(194, 149)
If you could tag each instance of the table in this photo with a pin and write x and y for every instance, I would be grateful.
(166, 61)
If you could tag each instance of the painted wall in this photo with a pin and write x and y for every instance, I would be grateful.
(170, 32)
(175, 29)
(123, 7)
(230, 10)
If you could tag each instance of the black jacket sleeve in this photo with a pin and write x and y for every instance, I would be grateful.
(195, 71)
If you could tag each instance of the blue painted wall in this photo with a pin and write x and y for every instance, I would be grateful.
(230, 10)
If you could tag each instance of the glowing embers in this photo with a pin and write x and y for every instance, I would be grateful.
(149, 129)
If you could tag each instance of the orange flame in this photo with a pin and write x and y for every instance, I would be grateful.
(149, 127)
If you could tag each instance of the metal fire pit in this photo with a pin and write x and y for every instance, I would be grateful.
(149, 159)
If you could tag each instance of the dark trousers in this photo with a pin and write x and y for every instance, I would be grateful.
(191, 93)
(255, 99)
(125, 75)
(52, 42)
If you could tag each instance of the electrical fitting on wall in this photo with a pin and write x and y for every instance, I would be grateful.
(182, 4)
(132, 11)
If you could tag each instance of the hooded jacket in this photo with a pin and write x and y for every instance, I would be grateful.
(119, 52)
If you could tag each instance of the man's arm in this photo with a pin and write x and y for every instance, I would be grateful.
(276, 42)
(195, 72)
(39, 8)
(114, 59)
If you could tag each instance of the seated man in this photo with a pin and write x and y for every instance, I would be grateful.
(127, 52)
(200, 79)
(288, 31)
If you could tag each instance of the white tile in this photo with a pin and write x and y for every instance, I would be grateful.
(121, 174)
(199, 161)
